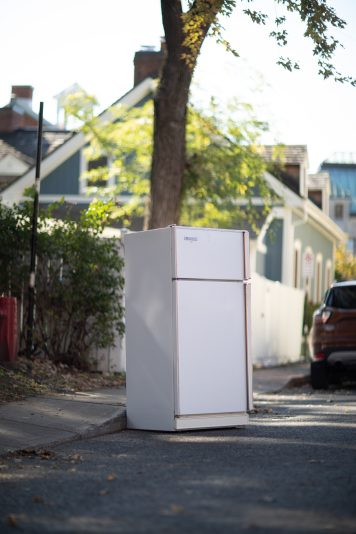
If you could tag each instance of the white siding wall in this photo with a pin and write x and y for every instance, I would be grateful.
(276, 322)
(276, 328)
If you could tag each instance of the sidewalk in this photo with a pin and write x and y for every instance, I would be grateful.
(50, 420)
(273, 379)
(45, 421)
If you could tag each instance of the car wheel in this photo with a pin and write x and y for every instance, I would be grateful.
(319, 375)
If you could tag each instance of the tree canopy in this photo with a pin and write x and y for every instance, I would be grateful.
(186, 27)
(224, 167)
(198, 164)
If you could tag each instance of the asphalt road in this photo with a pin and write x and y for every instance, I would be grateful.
(292, 470)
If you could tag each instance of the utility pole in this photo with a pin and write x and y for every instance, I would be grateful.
(32, 279)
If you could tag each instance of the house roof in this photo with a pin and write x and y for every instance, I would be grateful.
(24, 141)
(305, 207)
(342, 180)
(6, 149)
(57, 154)
(318, 180)
(288, 154)
(282, 161)
(341, 158)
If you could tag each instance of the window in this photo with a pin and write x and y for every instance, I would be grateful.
(318, 278)
(328, 275)
(296, 266)
(339, 211)
(342, 297)
(98, 170)
(308, 272)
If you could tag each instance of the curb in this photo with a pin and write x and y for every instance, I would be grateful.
(112, 425)
(295, 382)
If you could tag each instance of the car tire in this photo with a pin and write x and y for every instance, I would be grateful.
(319, 375)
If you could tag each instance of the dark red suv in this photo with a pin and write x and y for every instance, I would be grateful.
(333, 336)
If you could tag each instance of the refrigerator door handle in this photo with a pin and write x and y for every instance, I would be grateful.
(249, 392)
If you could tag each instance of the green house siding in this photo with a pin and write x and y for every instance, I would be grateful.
(64, 180)
(309, 236)
(273, 257)
(269, 263)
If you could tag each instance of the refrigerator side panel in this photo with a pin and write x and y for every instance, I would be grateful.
(149, 330)
(211, 364)
(249, 365)
(210, 254)
(246, 244)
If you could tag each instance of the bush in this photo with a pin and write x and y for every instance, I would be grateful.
(79, 284)
(345, 264)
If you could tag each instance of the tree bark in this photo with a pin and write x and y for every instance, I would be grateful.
(170, 111)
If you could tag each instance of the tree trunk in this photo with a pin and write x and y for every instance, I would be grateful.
(170, 108)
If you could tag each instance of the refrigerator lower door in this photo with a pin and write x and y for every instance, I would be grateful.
(211, 375)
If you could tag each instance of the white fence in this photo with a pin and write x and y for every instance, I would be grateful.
(276, 322)
(110, 359)
(276, 328)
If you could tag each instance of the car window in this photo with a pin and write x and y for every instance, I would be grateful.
(342, 297)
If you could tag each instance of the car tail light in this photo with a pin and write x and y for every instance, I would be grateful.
(325, 316)
(319, 356)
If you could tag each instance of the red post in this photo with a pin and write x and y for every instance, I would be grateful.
(8, 328)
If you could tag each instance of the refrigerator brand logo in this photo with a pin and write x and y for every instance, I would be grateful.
(189, 238)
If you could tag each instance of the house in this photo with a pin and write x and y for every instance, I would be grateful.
(18, 136)
(292, 256)
(291, 253)
(296, 243)
(63, 159)
(341, 168)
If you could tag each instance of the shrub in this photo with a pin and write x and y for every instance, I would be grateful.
(79, 281)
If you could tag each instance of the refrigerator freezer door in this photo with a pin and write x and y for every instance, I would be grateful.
(210, 254)
(211, 347)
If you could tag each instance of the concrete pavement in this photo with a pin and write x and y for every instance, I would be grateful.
(50, 420)
(273, 379)
(45, 421)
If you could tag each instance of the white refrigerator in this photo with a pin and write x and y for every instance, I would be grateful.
(187, 298)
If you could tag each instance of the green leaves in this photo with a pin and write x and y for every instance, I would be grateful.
(223, 171)
(316, 16)
(225, 168)
(79, 283)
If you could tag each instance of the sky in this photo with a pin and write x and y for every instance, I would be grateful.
(54, 44)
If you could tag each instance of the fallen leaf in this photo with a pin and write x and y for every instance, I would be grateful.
(12, 520)
(75, 458)
(176, 509)
(111, 477)
(268, 498)
(46, 455)
(38, 499)
(103, 492)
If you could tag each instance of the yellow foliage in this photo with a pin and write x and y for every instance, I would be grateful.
(345, 264)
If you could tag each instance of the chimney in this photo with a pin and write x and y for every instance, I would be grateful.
(18, 114)
(148, 62)
(22, 94)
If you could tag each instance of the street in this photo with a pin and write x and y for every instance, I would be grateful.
(291, 470)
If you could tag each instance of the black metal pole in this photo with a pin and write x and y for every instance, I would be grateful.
(32, 280)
